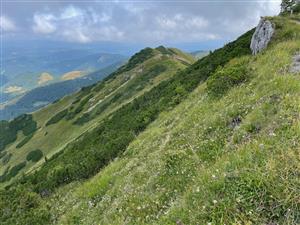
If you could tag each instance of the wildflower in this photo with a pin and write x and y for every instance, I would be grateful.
(215, 201)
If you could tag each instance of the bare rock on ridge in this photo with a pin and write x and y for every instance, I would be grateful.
(262, 36)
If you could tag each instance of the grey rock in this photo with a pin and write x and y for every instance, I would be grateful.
(295, 68)
(262, 36)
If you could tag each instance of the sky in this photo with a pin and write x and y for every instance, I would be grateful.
(189, 24)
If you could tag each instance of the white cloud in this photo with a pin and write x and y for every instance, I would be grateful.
(76, 35)
(7, 24)
(151, 22)
(44, 23)
(71, 12)
(179, 21)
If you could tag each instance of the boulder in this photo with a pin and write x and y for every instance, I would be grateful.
(295, 68)
(262, 36)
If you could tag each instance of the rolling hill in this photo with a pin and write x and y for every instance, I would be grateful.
(165, 141)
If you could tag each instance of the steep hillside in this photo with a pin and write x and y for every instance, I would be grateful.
(226, 155)
(216, 143)
(231, 159)
(61, 122)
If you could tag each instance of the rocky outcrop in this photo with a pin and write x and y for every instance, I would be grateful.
(295, 68)
(262, 36)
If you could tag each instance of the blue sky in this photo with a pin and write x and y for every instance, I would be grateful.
(191, 24)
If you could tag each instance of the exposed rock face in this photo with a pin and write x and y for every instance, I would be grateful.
(262, 36)
(295, 68)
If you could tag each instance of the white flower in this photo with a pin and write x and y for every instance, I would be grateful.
(215, 201)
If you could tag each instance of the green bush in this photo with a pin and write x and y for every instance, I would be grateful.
(71, 114)
(16, 169)
(6, 158)
(34, 155)
(10, 173)
(234, 73)
(9, 129)
(57, 117)
(25, 140)
(296, 9)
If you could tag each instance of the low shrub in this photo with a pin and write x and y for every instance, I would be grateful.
(16, 169)
(57, 117)
(34, 155)
(6, 158)
(9, 129)
(24, 141)
(234, 73)
(10, 173)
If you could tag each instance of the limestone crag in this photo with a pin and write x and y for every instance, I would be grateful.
(262, 36)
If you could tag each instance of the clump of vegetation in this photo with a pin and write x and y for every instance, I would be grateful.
(72, 113)
(16, 169)
(34, 155)
(57, 117)
(2, 154)
(234, 73)
(10, 173)
(9, 129)
(6, 157)
(24, 141)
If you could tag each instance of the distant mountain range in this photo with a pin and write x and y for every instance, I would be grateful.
(25, 68)
(41, 96)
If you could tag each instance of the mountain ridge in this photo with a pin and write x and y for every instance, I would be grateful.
(97, 101)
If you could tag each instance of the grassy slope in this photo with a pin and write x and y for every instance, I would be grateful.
(192, 166)
(53, 138)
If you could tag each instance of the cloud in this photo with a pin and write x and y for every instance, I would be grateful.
(7, 24)
(179, 21)
(76, 35)
(44, 23)
(143, 21)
